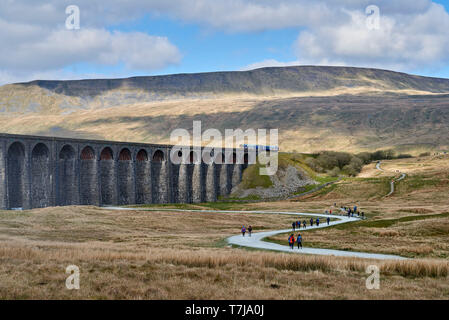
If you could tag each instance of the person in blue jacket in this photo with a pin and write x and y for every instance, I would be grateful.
(299, 241)
(317, 222)
(328, 220)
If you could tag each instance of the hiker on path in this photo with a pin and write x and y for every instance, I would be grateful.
(311, 222)
(250, 229)
(293, 226)
(317, 222)
(299, 224)
(291, 241)
(243, 230)
(328, 220)
(304, 224)
(299, 240)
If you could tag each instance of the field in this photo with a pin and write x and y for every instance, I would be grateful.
(184, 255)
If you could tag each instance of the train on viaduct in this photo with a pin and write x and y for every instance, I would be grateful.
(37, 172)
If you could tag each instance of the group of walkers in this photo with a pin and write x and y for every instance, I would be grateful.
(296, 225)
(351, 212)
(291, 241)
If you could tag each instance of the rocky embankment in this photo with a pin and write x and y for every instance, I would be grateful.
(284, 183)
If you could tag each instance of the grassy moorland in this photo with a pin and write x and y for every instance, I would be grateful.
(183, 255)
(172, 255)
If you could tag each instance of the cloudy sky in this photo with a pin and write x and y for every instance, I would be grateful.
(119, 38)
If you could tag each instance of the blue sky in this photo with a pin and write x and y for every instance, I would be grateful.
(136, 37)
(206, 49)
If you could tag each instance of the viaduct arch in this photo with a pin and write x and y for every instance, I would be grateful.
(16, 173)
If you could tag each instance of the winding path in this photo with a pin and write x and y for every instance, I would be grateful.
(256, 240)
(403, 175)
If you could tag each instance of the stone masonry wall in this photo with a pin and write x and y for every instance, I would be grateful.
(38, 172)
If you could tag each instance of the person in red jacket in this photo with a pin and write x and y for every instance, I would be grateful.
(291, 241)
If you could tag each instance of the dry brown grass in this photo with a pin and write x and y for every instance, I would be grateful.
(173, 255)
(141, 229)
(182, 255)
(38, 272)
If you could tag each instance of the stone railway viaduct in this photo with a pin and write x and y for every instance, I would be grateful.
(38, 172)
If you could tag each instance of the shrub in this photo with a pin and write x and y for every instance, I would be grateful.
(425, 154)
(335, 172)
(313, 164)
(365, 157)
(383, 155)
(334, 162)
(350, 170)
(327, 161)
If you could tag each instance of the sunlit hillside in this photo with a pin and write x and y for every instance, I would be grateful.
(314, 108)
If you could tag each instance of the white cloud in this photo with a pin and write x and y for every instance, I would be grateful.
(409, 38)
(228, 15)
(40, 49)
(52, 51)
(34, 40)
(402, 42)
(33, 45)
